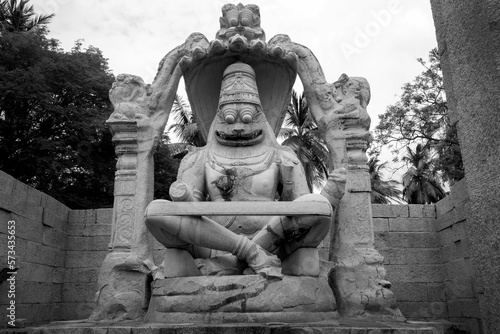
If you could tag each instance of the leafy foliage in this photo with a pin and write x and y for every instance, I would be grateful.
(421, 116)
(185, 126)
(383, 191)
(53, 107)
(18, 16)
(302, 136)
(165, 170)
(420, 185)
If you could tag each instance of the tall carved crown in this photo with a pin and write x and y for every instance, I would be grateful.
(238, 85)
(240, 40)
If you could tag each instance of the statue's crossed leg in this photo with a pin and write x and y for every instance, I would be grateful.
(279, 238)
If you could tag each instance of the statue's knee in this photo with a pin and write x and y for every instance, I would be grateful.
(312, 198)
(317, 198)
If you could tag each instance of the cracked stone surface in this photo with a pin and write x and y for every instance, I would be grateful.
(242, 297)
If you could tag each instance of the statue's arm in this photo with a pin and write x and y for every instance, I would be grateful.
(292, 177)
(190, 184)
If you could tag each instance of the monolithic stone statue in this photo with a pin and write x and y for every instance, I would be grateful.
(242, 162)
(241, 204)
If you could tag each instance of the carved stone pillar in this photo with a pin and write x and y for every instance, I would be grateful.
(124, 274)
(359, 277)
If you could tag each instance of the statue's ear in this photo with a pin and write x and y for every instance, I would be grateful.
(223, 22)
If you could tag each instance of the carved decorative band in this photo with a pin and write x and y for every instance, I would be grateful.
(124, 223)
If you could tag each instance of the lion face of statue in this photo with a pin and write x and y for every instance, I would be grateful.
(240, 124)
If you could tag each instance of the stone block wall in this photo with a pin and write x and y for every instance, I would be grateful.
(405, 235)
(59, 252)
(462, 289)
(40, 244)
(88, 236)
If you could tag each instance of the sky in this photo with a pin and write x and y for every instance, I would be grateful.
(376, 39)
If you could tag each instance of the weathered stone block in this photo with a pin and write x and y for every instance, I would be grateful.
(82, 216)
(380, 224)
(34, 197)
(411, 224)
(79, 292)
(59, 275)
(35, 272)
(460, 230)
(37, 292)
(54, 237)
(381, 240)
(425, 273)
(446, 236)
(76, 311)
(302, 297)
(423, 310)
(448, 253)
(423, 255)
(75, 229)
(458, 268)
(37, 312)
(389, 210)
(459, 287)
(413, 292)
(412, 240)
(7, 183)
(436, 292)
(422, 211)
(85, 259)
(82, 275)
(454, 307)
(42, 254)
(103, 216)
(394, 256)
(397, 273)
(98, 243)
(97, 229)
(443, 206)
(459, 192)
(54, 219)
(445, 220)
(19, 192)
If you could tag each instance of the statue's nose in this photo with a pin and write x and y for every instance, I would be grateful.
(238, 131)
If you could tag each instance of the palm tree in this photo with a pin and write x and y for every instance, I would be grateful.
(302, 136)
(18, 16)
(383, 191)
(185, 126)
(420, 185)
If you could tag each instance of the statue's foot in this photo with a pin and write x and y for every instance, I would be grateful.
(220, 265)
(264, 263)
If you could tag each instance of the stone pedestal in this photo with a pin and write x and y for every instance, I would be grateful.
(241, 299)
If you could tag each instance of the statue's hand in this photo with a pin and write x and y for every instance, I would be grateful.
(181, 192)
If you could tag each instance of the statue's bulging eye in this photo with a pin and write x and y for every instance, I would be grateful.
(230, 115)
(246, 115)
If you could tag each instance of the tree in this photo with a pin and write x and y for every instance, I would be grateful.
(185, 126)
(420, 185)
(18, 16)
(53, 107)
(302, 136)
(383, 191)
(421, 116)
(165, 169)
